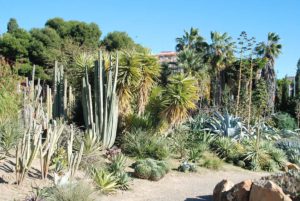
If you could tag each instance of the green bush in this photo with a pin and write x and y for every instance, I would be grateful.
(70, 192)
(144, 145)
(211, 161)
(26, 71)
(263, 156)
(292, 149)
(284, 121)
(10, 134)
(150, 169)
(228, 149)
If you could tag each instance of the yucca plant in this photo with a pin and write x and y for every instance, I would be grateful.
(106, 182)
(179, 97)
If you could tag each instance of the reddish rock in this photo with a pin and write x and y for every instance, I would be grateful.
(267, 191)
(239, 192)
(220, 188)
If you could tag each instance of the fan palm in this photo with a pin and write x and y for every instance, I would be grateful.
(179, 97)
(189, 60)
(270, 51)
(190, 40)
(150, 72)
(221, 55)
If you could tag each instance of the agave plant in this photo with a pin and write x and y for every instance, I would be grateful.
(227, 125)
(106, 182)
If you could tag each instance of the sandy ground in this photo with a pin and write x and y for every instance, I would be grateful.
(175, 186)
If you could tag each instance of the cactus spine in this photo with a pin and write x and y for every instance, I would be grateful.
(103, 119)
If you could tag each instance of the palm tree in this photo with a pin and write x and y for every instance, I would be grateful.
(150, 72)
(178, 98)
(189, 60)
(221, 55)
(190, 40)
(129, 77)
(270, 51)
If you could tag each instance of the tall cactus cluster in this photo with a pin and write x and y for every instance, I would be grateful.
(101, 110)
(63, 96)
(41, 131)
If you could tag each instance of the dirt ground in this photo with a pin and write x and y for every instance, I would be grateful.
(175, 186)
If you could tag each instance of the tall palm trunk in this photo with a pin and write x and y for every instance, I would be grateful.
(269, 76)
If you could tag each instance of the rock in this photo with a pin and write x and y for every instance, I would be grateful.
(239, 192)
(220, 188)
(291, 166)
(267, 191)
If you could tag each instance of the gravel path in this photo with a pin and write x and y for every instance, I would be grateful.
(177, 186)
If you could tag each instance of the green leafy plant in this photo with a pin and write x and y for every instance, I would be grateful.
(211, 161)
(106, 182)
(118, 163)
(10, 134)
(263, 155)
(70, 192)
(291, 147)
(284, 121)
(143, 145)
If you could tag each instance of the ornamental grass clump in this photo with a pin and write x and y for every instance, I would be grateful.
(150, 169)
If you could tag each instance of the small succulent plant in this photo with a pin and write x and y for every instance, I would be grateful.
(187, 167)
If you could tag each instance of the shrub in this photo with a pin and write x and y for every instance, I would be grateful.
(26, 71)
(228, 149)
(150, 169)
(70, 192)
(263, 156)
(289, 182)
(284, 121)
(211, 161)
(143, 145)
(10, 134)
(292, 149)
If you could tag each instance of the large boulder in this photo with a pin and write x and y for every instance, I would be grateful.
(221, 188)
(267, 191)
(239, 192)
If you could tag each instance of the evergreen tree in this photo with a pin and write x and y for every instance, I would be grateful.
(12, 25)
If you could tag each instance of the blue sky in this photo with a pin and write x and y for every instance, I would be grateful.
(156, 23)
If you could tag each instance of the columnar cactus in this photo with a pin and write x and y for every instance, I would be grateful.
(74, 159)
(103, 119)
(63, 96)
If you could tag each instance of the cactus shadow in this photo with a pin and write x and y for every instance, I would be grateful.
(201, 198)
(7, 166)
